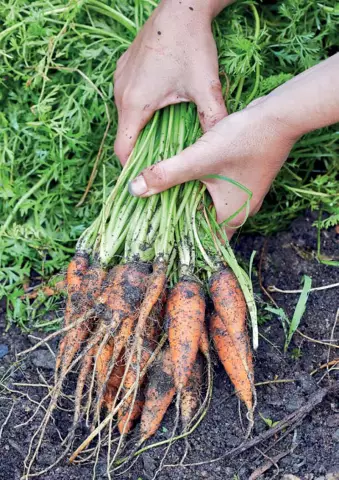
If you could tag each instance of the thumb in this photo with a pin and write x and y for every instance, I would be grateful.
(211, 106)
(131, 122)
(192, 163)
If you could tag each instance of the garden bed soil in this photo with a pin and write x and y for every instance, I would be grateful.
(312, 448)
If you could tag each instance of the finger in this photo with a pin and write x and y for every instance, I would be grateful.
(211, 105)
(131, 122)
(192, 163)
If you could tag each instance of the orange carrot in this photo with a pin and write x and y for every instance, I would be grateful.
(117, 307)
(159, 394)
(155, 288)
(48, 291)
(104, 354)
(149, 343)
(74, 281)
(114, 382)
(85, 369)
(204, 345)
(73, 340)
(190, 395)
(235, 355)
(185, 315)
(122, 292)
(230, 307)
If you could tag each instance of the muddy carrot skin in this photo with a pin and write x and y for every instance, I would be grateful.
(155, 290)
(122, 293)
(190, 395)
(74, 339)
(74, 282)
(158, 396)
(185, 314)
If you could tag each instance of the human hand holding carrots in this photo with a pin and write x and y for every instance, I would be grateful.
(251, 146)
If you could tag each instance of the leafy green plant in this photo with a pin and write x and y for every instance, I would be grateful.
(269, 422)
(58, 119)
(296, 354)
(290, 326)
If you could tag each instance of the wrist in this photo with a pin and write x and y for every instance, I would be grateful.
(274, 112)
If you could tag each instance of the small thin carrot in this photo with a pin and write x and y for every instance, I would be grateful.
(86, 367)
(185, 313)
(235, 355)
(158, 396)
(46, 290)
(204, 345)
(102, 362)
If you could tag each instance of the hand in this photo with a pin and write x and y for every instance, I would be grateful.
(252, 145)
(173, 59)
(249, 146)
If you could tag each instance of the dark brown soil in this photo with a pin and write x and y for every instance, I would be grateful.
(314, 445)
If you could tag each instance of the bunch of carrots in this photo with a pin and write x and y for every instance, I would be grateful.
(151, 282)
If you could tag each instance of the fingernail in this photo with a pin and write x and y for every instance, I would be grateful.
(137, 187)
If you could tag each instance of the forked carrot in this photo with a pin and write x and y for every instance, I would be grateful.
(118, 308)
(235, 355)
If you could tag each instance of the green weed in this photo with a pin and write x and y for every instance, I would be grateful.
(56, 99)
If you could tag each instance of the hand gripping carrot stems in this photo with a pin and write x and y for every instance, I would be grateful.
(140, 290)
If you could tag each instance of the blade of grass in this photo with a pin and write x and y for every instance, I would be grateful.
(299, 310)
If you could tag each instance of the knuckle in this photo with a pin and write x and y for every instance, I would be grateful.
(156, 175)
